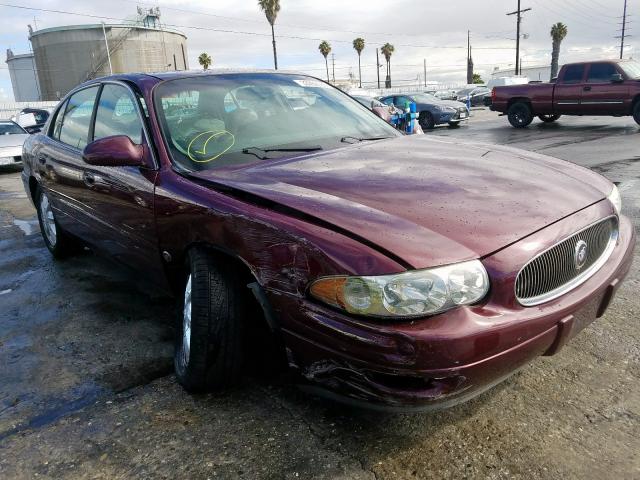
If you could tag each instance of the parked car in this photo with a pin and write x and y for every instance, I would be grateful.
(591, 88)
(32, 119)
(445, 94)
(376, 106)
(431, 110)
(12, 137)
(399, 272)
(474, 95)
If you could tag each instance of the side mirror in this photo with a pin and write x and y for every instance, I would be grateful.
(116, 151)
(617, 78)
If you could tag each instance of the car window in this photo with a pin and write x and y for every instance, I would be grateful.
(272, 112)
(400, 102)
(10, 128)
(573, 74)
(74, 130)
(387, 101)
(117, 114)
(601, 73)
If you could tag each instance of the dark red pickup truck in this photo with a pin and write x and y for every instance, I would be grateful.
(595, 88)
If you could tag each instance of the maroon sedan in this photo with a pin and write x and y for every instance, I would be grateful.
(391, 271)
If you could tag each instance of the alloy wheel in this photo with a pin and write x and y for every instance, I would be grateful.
(48, 220)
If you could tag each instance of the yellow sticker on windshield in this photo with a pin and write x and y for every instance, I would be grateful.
(208, 146)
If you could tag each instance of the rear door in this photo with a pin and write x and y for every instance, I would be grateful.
(121, 198)
(602, 96)
(60, 164)
(567, 94)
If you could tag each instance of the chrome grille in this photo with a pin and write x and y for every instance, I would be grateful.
(556, 270)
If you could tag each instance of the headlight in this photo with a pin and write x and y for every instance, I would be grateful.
(615, 198)
(408, 294)
(443, 108)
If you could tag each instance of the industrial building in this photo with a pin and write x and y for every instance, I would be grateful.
(68, 55)
(24, 77)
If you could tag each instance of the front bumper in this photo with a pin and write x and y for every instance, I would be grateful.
(440, 361)
(452, 117)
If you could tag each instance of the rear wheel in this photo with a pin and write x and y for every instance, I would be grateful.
(520, 115)
(548, 118)
(427, 122)
(208, 351)
(57, 241)
(636, 112)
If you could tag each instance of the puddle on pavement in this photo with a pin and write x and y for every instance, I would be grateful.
(28, 227)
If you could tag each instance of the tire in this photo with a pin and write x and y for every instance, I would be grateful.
(636, 112)
(208, 350)
(454, 124)
(549, 118)
(520, 115)
(426, 120)
(59, 243)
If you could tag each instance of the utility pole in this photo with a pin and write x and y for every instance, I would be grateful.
(424, 61)
(518, 13)
(624, 30)
(333, 66)
(378, 67)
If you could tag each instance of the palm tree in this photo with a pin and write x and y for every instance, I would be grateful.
(358, 45)
(558, 34)
(205, 60)
(387, 50)
(271, 9)
(325, 50)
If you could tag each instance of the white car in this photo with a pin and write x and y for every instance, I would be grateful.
(12, 137)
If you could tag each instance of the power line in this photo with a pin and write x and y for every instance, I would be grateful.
(240, 32)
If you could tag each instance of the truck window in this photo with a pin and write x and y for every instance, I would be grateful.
(601, 73)
(573, 74)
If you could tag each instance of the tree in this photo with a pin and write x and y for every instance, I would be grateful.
(205, 60)
(477, 79)
(325, 50)
(387, 50)
(271, 9)
(358, 45)
(558, 34)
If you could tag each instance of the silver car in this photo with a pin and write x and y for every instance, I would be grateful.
(12, 137)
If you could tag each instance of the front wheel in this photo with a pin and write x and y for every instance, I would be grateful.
(208, 352)
(548, 118)
(427, 122)
(520, 115)
(636, 112)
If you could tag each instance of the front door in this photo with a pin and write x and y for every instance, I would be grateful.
(121, 198)
(602, 96)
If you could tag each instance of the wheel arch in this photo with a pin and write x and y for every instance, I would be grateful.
(635, 102)
(526, 100)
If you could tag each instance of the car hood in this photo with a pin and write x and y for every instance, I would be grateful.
(429, 202)
(15, 140)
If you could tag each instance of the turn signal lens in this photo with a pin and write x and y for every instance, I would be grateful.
(409, 294)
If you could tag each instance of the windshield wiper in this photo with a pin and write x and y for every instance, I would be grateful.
(261, 152)
(357, 139)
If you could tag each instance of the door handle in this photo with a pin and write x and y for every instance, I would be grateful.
(89, 179)
(587, 89)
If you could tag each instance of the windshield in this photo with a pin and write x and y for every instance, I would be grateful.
(425, 98)
(10, 128)
(632, 69)
(230, 119)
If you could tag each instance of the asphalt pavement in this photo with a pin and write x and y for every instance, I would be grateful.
(87, 390)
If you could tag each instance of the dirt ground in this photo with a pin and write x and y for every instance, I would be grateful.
(87, 391)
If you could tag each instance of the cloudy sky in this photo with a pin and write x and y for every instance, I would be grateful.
(431, 30)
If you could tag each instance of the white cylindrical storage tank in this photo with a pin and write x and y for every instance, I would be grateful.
(24, 79)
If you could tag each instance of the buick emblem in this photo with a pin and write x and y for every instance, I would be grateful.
(580, 254)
